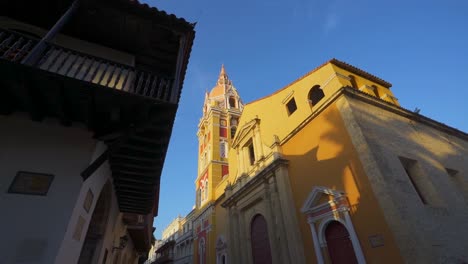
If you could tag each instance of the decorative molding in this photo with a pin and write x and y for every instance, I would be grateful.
(315, 195)
(288, 96)
(265, 173)
(342, 76)
(243, 131)
(332, 210)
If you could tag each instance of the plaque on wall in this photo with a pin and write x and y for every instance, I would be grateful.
(376, 241)
(31, 183)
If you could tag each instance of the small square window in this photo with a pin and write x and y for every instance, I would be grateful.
(291, 105)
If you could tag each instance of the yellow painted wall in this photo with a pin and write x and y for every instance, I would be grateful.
(321, 154)
(361, 81)
(272, 111)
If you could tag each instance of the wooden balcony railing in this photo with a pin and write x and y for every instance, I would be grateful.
(15, 47)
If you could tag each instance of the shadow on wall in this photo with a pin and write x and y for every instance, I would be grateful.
(321, 154)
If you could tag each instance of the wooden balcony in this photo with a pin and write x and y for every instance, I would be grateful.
(14, 47)
(132, 111)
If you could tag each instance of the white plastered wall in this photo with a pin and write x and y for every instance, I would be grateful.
(33, 226)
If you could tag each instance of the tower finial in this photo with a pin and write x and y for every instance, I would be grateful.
(223, 71)
(222, 79)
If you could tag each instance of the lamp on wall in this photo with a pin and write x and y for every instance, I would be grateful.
(122, 243)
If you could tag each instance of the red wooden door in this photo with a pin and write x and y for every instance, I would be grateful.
(339, 244)
(261, 251)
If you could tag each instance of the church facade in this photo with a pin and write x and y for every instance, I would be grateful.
(329, 169)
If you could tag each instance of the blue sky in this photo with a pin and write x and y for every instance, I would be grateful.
(421, 47)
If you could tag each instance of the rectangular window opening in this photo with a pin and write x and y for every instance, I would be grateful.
(251, 153)
(451, 172)
(411, 170)
(291, 105)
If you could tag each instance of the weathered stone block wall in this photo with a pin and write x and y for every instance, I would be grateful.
(431, 232)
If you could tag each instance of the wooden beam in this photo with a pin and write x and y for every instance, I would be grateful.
(135, 166)
(121, 194)
(150, 141)
(142, 149)
(134, 206)
(95, 165)
(178, 70)
(109, 136)
(129, 210)
(124, 156)
(115, 160)
(128, 191)
(128, 172)
(134, 189)
(132, 203)
(133, 179)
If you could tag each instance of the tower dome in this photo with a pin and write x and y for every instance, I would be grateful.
(221, 84)
(223, 95)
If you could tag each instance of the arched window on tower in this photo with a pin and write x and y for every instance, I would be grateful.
(232, 102)
(315, 94)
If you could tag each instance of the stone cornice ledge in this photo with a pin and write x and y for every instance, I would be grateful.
(254, 181)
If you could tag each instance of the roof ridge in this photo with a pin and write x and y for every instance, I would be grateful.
(338, 63)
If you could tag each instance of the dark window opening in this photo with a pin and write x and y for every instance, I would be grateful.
(316, 94)
(376, 91)
(410, 167)
(451, 172)
(232, 102)
(251, 153)
(291, 105)
(233, 131)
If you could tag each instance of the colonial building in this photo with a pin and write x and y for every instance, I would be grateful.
(152, 255)
(184, 241)
(88, 96)
(176, 243)
(329, 169)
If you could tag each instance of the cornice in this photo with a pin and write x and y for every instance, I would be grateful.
(253, 181)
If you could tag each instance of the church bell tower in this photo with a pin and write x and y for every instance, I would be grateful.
(221, 111)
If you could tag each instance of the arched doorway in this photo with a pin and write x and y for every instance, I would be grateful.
(340, 247)
(97, 226)
(261, 251)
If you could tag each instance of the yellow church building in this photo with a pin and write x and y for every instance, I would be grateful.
(329, 169)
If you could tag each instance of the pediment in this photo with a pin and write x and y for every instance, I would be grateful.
(243, 131)
(314, 198)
